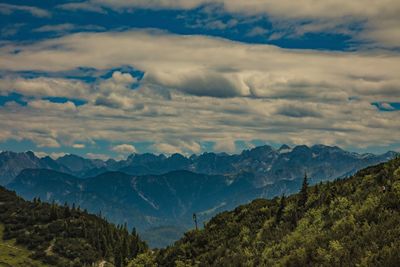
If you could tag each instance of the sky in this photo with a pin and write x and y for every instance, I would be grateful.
(108, 78)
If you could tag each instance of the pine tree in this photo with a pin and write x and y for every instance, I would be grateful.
(279, 213)
(67, 211)
(133, 247)
(53, 212)
(304, 192)
(118, 260)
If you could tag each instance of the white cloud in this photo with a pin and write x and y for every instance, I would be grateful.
(199, 89)
(177, 146)
(257, 31)
(78, 146)
(124, 149)
(205, 66)
(53, 155)
(46, 105)
(40, 154)
(56, 155)
(7, 9)
(167, 148)
(65, 27)
(55, 28)
(97, 156)
(225, 145)
(44, 87)
(123, 78)
(380, 18)
(11, 29)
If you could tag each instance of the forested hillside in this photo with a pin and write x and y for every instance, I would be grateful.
(350, 222)
(64, 236)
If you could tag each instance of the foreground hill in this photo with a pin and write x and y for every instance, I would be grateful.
(42, 234)
(350, 222)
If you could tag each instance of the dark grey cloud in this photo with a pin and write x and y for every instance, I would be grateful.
(298, 112)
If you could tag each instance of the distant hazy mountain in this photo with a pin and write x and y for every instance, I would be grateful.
(11, 164)
(266, 163)
(78, 165)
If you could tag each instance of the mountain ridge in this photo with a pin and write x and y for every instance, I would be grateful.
(264, 161)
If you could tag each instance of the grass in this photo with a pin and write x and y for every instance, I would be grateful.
(12, 255)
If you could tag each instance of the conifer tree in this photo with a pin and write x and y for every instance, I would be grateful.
(118, 258)
(53, 212)
(67, 212)
(279, 213)
(304, 192)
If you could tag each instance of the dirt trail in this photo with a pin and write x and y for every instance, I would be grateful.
(9, 246)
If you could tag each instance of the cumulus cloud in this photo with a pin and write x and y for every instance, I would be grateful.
(124, 149)
(44, 87)
(205, 66)
(199, 89)
(46, 105)
(7, 9)
(53, 155)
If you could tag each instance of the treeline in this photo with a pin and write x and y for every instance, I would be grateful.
(66, 236)
(349, 222)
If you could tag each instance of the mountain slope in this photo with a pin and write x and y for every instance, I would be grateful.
(355, 221)
(143, 201)
(151, 202)
(64, 236)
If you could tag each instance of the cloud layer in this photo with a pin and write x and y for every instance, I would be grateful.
(379, 20)
(197, 89)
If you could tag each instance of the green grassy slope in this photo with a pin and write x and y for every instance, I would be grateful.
(350, 222)
(12, 255)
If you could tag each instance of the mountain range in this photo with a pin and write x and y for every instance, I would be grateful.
(156, 193)
(265, 162)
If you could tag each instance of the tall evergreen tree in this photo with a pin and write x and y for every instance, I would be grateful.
(118, 260)
(279, 213)
(304, 192)
(53, 212)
